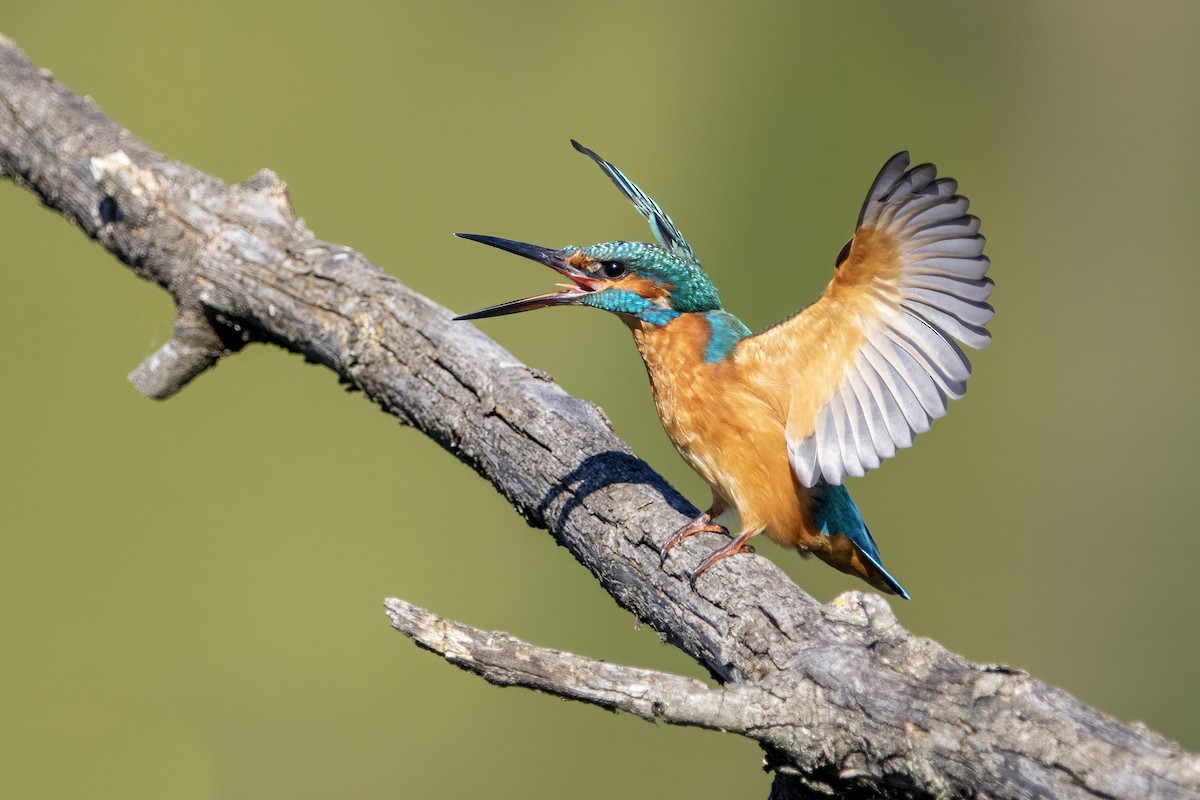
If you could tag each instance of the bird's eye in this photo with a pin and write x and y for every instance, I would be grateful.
(613, 269)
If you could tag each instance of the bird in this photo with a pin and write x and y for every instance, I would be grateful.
(775, 421)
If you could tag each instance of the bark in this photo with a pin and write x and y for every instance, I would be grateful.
(844, 700)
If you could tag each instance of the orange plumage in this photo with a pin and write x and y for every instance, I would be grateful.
(728, 425)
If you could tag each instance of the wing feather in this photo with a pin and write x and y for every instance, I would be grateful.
(928, 201)
(873, 362)
(887, 180)
(860, 433)
(875, 418)
(973, 291)
(804, 460)
(936, 206)
(967, 310)
(969, 269)
(971, 335)
(932, 356)
(963, 226)
(920, 249)
(908, 362)
(906, 398)
(828, 446)
(847, 446)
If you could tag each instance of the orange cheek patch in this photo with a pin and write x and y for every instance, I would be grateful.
(646, 288)
(580, 260)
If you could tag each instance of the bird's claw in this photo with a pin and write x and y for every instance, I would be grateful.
(738, 545)
(701, 524)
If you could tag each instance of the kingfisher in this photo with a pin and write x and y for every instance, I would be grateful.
(775, 421)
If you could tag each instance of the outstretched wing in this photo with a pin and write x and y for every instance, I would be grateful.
(664, 229)
(870, 364)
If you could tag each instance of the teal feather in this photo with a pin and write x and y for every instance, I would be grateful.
(622, 301)
(834, 512)
(725, 331)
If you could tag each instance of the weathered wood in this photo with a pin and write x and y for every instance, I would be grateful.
(652, 695)
(864, 708)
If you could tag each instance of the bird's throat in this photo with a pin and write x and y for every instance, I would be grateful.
(686, 342)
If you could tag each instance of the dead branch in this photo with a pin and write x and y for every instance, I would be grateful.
(654, 696)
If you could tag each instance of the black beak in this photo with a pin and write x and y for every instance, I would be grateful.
(582, 284)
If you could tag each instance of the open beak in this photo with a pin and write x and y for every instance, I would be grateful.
(569, 294)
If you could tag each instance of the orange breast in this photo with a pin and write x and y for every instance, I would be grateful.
(730, 432)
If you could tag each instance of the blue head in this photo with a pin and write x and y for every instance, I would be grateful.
(653, 282)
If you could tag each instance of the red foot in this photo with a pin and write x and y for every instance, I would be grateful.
(701, 524)
(738, 545)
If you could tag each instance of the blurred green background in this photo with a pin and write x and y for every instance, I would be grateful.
(190, 592)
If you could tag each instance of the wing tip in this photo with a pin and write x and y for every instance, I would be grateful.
(889, 175)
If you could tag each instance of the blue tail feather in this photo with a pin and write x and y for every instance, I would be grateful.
(834, 512)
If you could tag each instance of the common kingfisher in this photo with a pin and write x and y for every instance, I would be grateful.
(775, 421)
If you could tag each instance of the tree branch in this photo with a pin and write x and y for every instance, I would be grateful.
(654, 696)
(857, 705)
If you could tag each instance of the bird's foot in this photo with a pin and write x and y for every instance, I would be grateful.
(738, 545)
(701, 524)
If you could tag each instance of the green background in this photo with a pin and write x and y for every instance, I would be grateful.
(190, 591)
